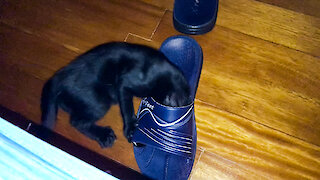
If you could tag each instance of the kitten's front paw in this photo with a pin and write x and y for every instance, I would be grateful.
(107, 138)
(129, 130)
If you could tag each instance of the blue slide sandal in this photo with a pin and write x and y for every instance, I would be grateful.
(168, 134)
(195, 16)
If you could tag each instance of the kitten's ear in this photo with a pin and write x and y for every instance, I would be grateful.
(166, 100)
(171, 100)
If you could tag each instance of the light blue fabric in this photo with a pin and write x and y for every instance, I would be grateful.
(23, 156)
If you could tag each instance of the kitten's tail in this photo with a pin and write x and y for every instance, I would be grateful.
(49, 106)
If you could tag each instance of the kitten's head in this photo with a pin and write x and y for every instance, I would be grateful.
(173, 89)
(179, 93)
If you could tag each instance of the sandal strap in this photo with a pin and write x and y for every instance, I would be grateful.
(167, 128)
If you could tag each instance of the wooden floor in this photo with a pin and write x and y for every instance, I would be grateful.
(258, 102)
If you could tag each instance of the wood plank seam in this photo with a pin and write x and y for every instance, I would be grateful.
(138, 36)
(307, 7)
(269, 127)
(156, 28)
(153, 32)
(202, 150)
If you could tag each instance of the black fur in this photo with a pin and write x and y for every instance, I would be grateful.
(108, 74)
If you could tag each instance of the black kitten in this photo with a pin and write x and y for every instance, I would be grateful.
(108, 74)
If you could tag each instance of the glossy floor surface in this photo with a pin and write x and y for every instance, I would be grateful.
(258, 102)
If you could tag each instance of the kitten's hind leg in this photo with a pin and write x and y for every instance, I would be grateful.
(103, 135)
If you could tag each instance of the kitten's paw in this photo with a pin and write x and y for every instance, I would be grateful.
(129, 130)
(107, 138)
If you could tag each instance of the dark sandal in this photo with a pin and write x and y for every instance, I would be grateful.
(166, 137)
(196, 16)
